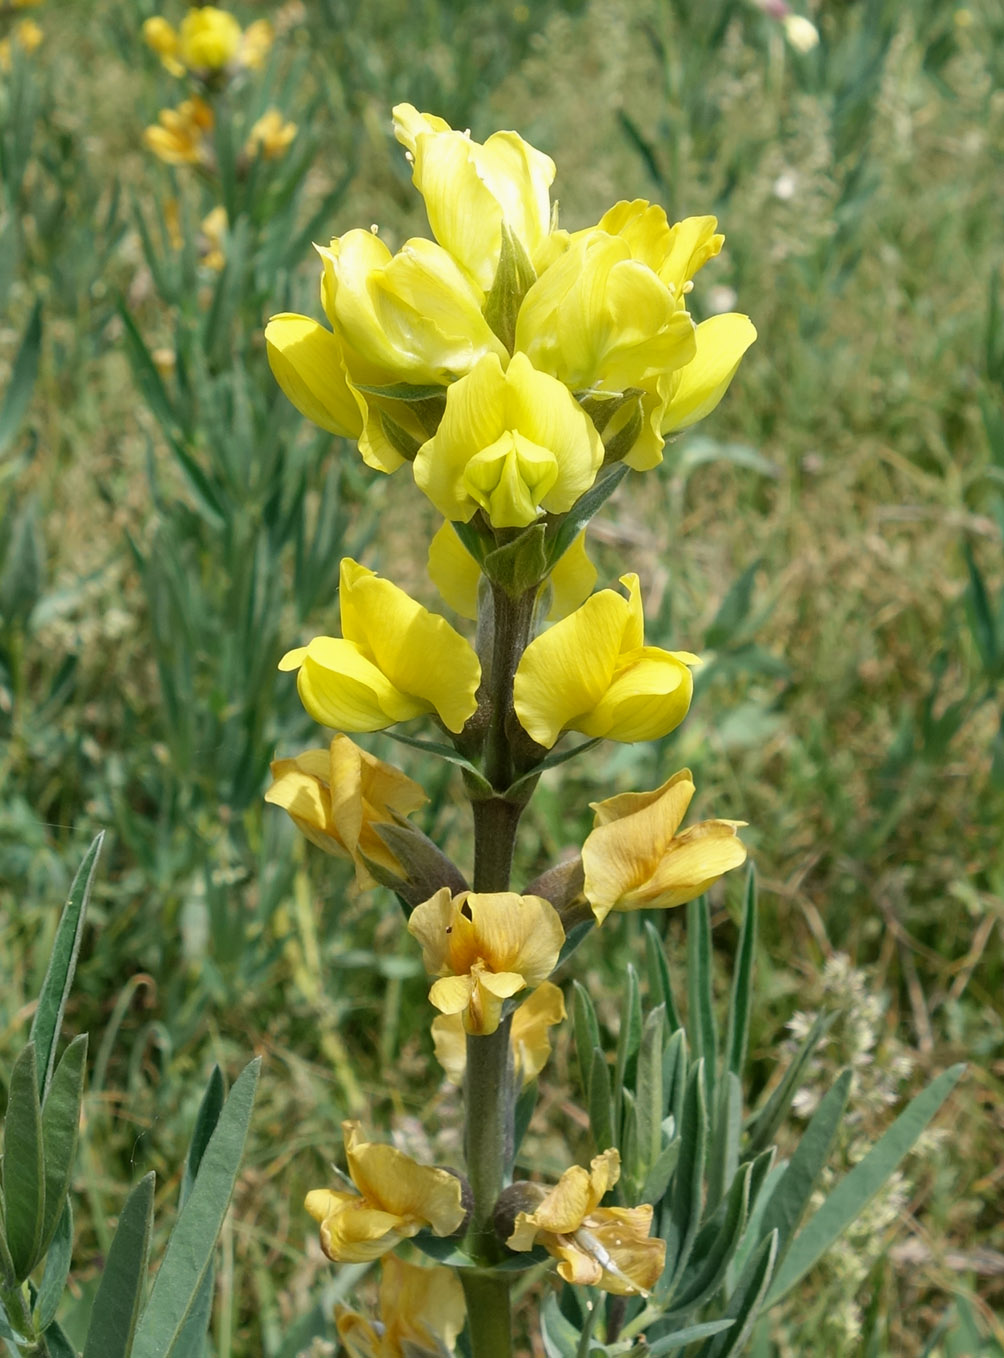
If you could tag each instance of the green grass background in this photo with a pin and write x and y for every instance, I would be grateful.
(830, 539)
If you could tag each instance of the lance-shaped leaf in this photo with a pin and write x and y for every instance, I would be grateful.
(714, 1247)
(190, 1248)
(60, 1124)
(745, 1303)
(649, 1092)
(794, 1188)
(120, 1292)
(701, 1014)
(57, 1268)
(23, 1166)
(737, 1038)
(684, 1217)
(857, 1188)
(600, 1104)
(587, 1034)
(763, 1126)
(628, 1040)
(659, 985)
(62, 964)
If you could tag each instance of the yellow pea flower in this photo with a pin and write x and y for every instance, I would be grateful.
(397, 1197)
(209, 39)
(394, 661)
(181, 135)
(336, 797)
(529, 1037)
(693, 391)
(606, 1247)
(472, 190)
(514, 444)
(270, 137)
(592, 672)
(413, 317)
(308, 363)
(634, 859)
(599, 318)
(486, 947)
(422, 1312)
(456, 575)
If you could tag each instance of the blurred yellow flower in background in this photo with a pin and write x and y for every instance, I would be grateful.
(397, 1197)
(634, 859)
(208, 43)
(181, 136)
(26, 35)
(271, 136)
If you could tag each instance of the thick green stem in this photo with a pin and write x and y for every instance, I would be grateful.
(488, 1086)
(488, 1321)
(488, 1134)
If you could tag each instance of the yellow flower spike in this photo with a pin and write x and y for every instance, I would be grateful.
(512, 443)
(307, 362)
(529, 1037)
(271, 136)
(695, 390)
(457, 575)
(486, 947)
(337, 796)
(413, 317)
(422, 1312)
(606, 1247)
(209, 39)
(592, 673)
(634, 859)
(397, 1197)
(394, 661)
(471, 190)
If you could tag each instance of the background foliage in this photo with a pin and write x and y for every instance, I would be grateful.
(831, 541)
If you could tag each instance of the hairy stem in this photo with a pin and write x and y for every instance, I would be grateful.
(488, 1086)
